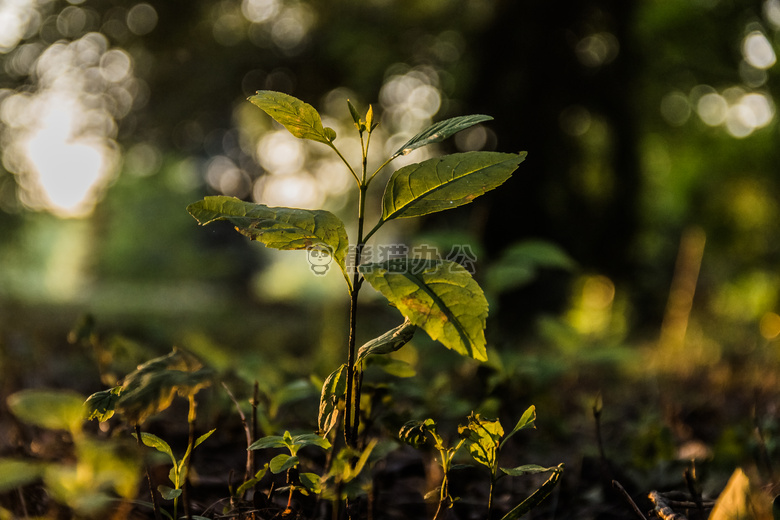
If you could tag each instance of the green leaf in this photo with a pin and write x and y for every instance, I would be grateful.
(413, 432)
(484, 436)
(168, 493)
(527, 469)
(16, 473)
(445, 182)
(312, 482)
(526, 421)
(52, 409)
(310, 439)
(440, 297)
(332, 391)
(100, 405)
(394, 367)
(272, 441)
(203, 437)
(252, 481)
(520, 263)
(278, 228)
(440, 131)
(282, 463)
(299, 118)
(153, 441)
(537, 496)
(388, 342)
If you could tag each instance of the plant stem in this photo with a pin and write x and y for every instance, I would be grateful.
(155, 506)
(351, 420)
(190, 447)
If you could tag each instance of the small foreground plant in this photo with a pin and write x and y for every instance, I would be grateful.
(483, 438)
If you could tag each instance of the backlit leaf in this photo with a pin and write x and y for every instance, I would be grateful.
(299, 118)
(483, 436)
(272, 441)
(153, 441)
(152, 387)
(537, 497)
(278, 228)
(332, 391)
(526, 421)
(282, 462)
(440, 297)
(53, 409)
(100, 405)
(445, 182)
(310, 439)
(737, 501)
(390, 341)
(203, 437)
(312, 482)
(168, 493)
(526, 469)
(16, 473)
(440, 131)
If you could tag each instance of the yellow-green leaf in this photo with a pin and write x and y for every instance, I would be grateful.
(299, 118)
(445, 182)
(278, 228)
(53, 409)
(440, 297)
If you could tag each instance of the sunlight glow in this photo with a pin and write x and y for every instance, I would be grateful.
(16, 18)
(281, 153)
(59, 138)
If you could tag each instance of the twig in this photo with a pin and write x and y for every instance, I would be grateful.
(690, 480)
(663, 508)
(628, 498)
(249, 466)
(23, 503)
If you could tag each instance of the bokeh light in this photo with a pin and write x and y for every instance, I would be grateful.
(60, 138)
(757, 50)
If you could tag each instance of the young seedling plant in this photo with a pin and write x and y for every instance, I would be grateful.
(438, 296)
(435, 295)
(483, 438)
(307, 482)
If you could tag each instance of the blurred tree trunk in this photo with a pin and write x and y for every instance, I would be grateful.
(529, 76)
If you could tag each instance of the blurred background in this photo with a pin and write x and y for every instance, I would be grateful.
(638, 241)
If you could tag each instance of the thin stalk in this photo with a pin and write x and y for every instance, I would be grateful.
(379, 169)
(349, 166)
(351, 421)
(155, 506)
(190, 446)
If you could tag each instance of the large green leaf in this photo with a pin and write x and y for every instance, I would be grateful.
(440, 131)
(278, 228)
(445, 182)
(299, 118)
(438, 296)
